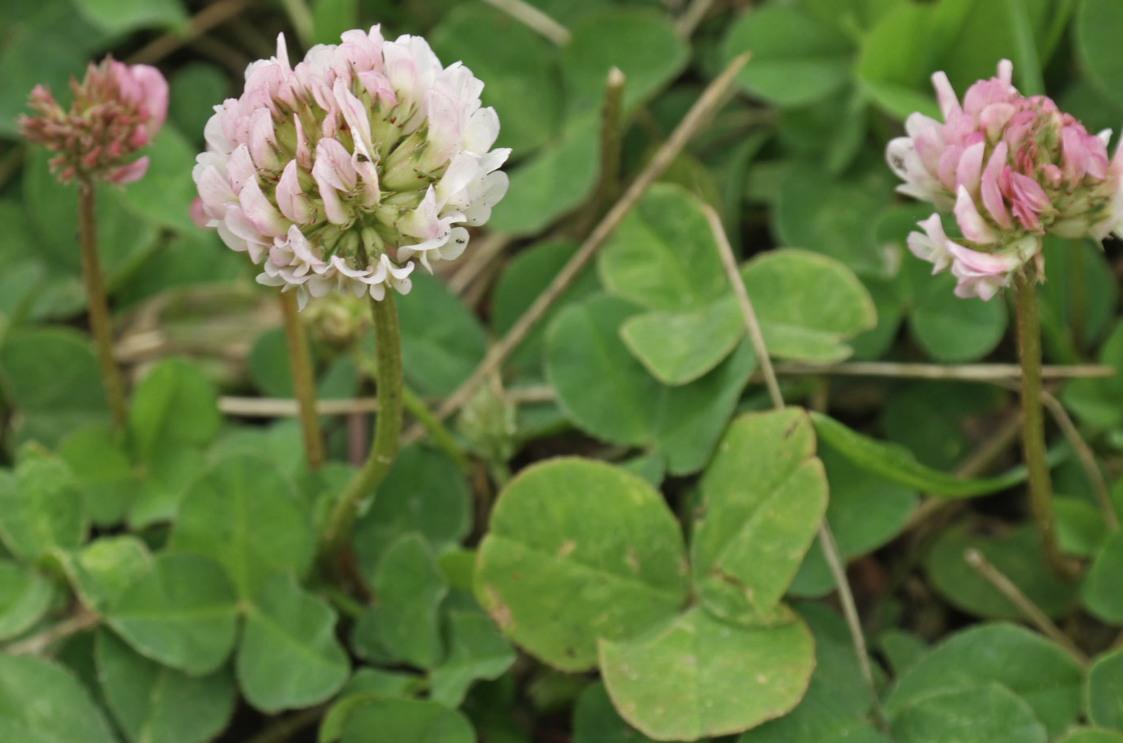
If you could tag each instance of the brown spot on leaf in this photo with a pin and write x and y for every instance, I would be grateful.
(630, 558)
(566, 548)
(499, 610)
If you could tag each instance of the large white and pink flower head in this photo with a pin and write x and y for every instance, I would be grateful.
(116, 110)
(1011, 169)
(351, 167)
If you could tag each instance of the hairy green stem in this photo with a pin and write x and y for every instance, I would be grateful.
(611, 140)
(387, 429)
(303, 380)
(1033, 424)
(417, 408)
(97, 305)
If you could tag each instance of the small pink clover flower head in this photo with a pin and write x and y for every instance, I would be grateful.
(1011, 169)
(347, 170)
(116, 110)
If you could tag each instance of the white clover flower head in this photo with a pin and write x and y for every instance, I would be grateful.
(346, 170)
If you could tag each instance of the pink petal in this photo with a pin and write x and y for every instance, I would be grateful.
(290, 196)
(945, 94)
(931, 246)
(1029, 192)
(198, 214)
(264, 216)
(134, 171)
(333, 165)
(990, 190)
(263, 140)
(973, 226)
(240, 168)
(970, 166)
(356, 116)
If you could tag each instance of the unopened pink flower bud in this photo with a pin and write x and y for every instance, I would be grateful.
(116, 110)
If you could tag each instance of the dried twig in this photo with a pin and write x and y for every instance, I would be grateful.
(1028, 609)
(710, 99)
(478, 261)
(1083, 453)
(981, 458)
(276, 407)
(963, 372)
(691, 17)
(201, 22)
(37, 643)
(826, 539)
(534, 19)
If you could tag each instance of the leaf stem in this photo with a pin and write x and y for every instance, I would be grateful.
(303, 380)
(209, 17)
(1033, 424)
(826, 539)
(387, 429)
(97, 305)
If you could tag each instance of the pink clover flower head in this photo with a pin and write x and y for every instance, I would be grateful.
(116, 110)
(346, 170)
(1011, 169)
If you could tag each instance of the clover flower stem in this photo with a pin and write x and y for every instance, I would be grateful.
(826, 539)
(97, 306)
(611, 139)
(303, 380)
(1033, 424)
(387, 429)
(417, 408)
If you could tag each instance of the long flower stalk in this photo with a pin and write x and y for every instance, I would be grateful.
(303, 380)
(115, 111)
(387, 429)
(416, 407)
(97, 306)
(1033, 424)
